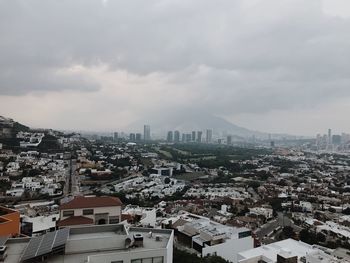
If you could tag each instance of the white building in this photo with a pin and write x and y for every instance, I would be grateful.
(266, 212)
(211, 238)
(94, 244)
(90, 211)
(147, 215)
(39, 224)
(288, 250)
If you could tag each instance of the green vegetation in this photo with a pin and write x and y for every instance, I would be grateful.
(49, 144)
(4, 185)
(208, 152)
(17, 127)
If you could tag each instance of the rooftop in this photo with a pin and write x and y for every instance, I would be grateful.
(91, 202)
(288, 247)
(85, 243)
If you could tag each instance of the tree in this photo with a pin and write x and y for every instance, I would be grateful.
(288, 232)
(346, 211)
(167, 180)
(308, 237)
(186, 257)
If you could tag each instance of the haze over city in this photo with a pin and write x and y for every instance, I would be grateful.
(175, 131)
(272, 66)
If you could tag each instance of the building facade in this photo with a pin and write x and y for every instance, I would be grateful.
(90, 211)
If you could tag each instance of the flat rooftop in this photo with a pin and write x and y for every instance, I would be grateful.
(288, 247)
(88, 241)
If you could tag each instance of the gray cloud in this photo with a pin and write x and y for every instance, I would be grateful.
(238, 57)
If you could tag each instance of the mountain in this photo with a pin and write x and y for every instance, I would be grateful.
(9, 128)
(187, 122)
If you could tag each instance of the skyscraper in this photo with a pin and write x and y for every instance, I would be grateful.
(329, 136)
(209, 136)
(138, 137)
(132, 137)
(177, 136)
(199, 136)
(115, 136)
(147, 133)
(193, 136)
(170, 136)
(229, 139)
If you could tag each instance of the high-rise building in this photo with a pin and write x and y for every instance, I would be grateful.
(193, 136)
(209, 136)
(138, 137)
(188, 137)
(115, 136)
(170, 136)
(199, 136)
(229, 139)
(132, 137)
(183, 139)
(147, 133)
(336, 139)
(177, 136)
(329, 136)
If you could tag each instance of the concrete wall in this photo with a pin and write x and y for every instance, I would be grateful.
(112, 211)
(230, 248)
(126, 257)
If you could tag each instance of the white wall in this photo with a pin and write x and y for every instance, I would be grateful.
(230, 248)
(112, 211)
(126, 257)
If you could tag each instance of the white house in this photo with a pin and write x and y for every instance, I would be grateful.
(90, 211)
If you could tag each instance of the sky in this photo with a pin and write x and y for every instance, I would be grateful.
(279, 66)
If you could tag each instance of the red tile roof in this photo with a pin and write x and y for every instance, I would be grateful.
(75, 220)
(91, 202)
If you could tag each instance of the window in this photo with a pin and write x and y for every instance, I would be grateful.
(88, 212)
(68, 213)
(244, 234)
(118, 261)
(148, 260)
(158, 260)
(53, 219)
(114, 219)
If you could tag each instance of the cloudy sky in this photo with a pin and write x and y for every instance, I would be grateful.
(268, 65)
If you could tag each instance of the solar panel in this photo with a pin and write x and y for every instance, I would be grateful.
(46, 244)
(32, 248)
(61, 237)
(3, 240)
(42, 245)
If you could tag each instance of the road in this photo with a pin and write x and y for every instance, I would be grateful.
(253, 193)
(281, 221)
(72, 183)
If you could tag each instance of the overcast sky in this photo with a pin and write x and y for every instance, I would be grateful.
(268, 65)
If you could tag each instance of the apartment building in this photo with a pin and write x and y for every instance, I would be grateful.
(94, 244)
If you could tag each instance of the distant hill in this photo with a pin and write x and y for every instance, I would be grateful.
(20, 127)
(186, 122)
(8, 130)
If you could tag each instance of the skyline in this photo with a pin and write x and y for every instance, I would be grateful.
(104, 65)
